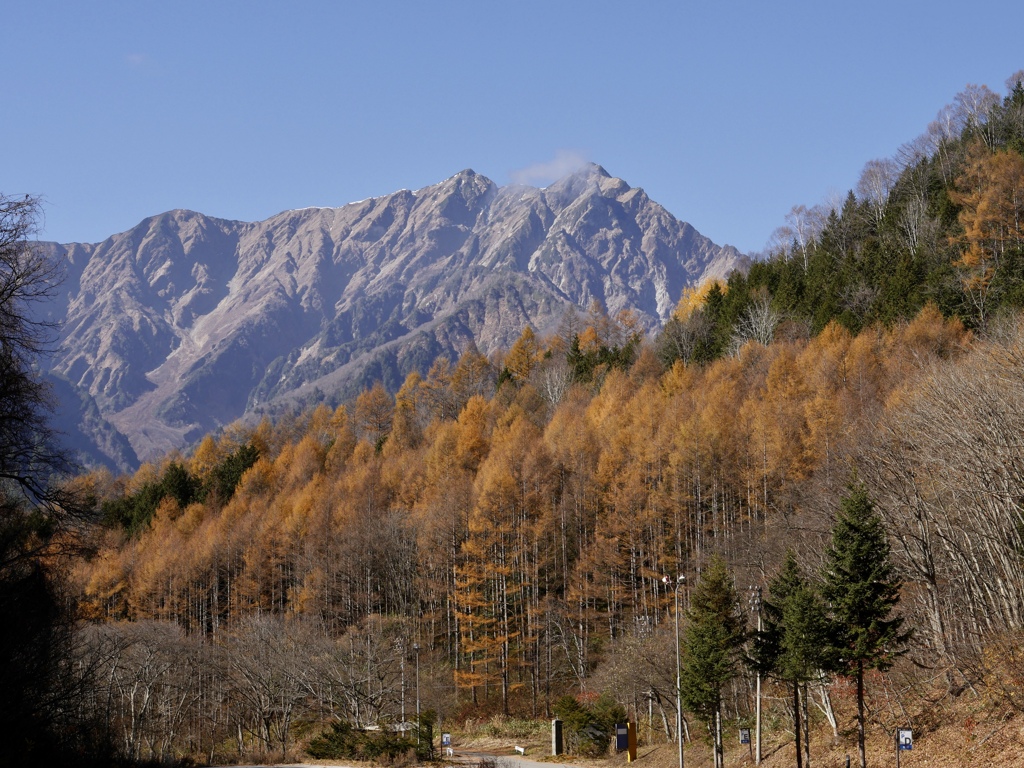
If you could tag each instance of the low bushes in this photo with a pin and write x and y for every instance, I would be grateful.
(587, 728)
(343, 741)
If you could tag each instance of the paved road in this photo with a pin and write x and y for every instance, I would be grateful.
(460, 757)
(501, 761)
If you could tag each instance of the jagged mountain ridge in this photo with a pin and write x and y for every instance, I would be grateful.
(187, 322)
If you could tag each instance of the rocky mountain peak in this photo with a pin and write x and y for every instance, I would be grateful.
(186, 322)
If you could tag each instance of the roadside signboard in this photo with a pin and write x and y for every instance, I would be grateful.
(904, 742)
(905, 738)
(744, 735)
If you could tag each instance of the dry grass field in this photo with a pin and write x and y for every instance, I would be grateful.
(957, 734)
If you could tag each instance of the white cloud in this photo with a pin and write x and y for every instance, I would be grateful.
(566, 161)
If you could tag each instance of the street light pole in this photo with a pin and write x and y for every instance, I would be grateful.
(680, 581)
(755, 601)
(419, 725)
(401, 665)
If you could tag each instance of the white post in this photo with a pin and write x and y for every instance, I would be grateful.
(401, 665)
(757, 708)
(680, 580)
(416, 647)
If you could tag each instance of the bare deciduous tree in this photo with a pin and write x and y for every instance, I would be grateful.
(807, 225)
(552, 378)
(757, 323)
(915, 225)
(876, 182)
(949, 477)
(265, 667)
(146, 683)
(682, 339)
(28, 275)
(366, 676)
(974, 105)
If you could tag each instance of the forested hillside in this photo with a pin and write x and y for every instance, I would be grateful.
(941, 223)
(519, 536)
(503, 525)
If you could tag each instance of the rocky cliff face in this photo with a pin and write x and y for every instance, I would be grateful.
(187, 322)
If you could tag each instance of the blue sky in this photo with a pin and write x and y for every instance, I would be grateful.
(728, 113)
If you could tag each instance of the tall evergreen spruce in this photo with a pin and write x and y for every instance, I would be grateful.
(711, 646)
(793, 644)
(862, 590)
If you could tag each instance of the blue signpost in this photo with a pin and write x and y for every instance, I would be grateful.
(904, 742)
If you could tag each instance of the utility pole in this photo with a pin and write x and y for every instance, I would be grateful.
(401, 664)
(679, 582)
(419, 725)
(755, 604)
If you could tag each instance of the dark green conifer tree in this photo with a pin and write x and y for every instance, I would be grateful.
(862, 590)
(711, 648)
(793, 644)
(713, 344)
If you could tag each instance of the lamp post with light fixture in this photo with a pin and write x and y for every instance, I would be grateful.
(680, 581)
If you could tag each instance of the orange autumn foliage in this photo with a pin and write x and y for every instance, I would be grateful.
(502, 521)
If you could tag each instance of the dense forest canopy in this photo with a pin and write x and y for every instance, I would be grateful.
(505, 523)
(518, 534)
(939, 223)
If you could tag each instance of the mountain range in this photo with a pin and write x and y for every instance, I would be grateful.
(187, 322)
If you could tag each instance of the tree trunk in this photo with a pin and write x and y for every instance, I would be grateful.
(826, 708)
(807, 726)
(796, 724)
(719, 750)
(860, 715)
